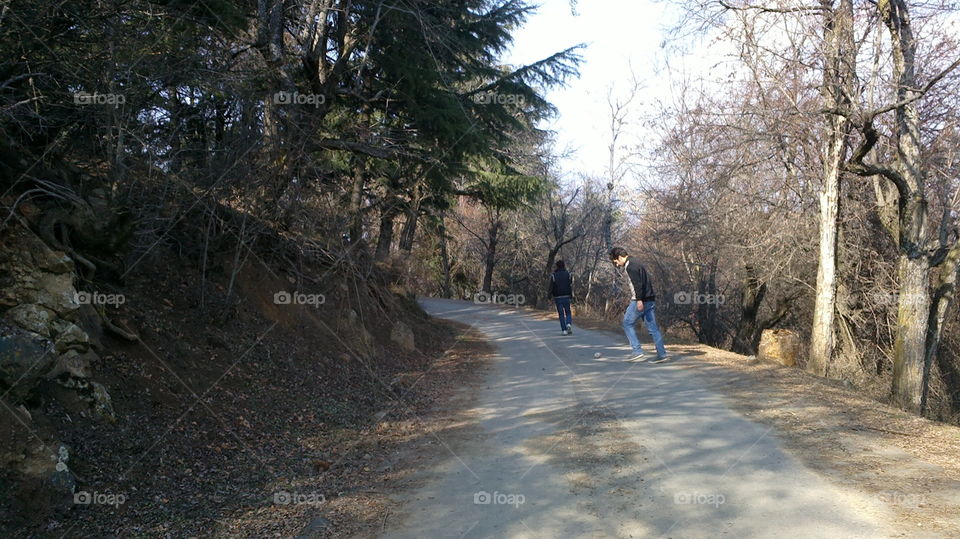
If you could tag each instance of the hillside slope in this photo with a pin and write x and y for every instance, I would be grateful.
(200, 391)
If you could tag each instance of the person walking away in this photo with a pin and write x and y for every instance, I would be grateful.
(561, 289)
(642, 305)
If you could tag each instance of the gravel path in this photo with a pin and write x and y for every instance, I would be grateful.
(566, 445)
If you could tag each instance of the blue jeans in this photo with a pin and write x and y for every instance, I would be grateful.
(563, 309)
(630, 318)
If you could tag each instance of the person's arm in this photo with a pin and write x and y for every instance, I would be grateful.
(644, 283)
(638, 280)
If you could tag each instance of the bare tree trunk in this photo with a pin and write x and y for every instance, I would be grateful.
(444, 257)
(356, 207)
(270, 45)
(913, 310)
(711, 331)
(915, 342)
(751, 298)
(914, 266)
(822, 336)
(490, 259)
(838, 38)
(589, 281)
(942, 300)
(608, 220)
(385, 236)
(409, 230)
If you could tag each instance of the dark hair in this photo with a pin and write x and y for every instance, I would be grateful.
(561, 265)
(617, 252)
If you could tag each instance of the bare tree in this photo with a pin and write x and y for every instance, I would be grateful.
(838, 73)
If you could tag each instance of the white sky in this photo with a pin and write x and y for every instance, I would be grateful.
(619, 34)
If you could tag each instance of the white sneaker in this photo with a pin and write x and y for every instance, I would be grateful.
(570, 330)
(637, 358)
(563, 332)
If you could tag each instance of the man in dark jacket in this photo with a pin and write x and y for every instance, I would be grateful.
(561, 288)
(642, 304)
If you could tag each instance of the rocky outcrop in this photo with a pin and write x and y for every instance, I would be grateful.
(45, 332)
(23, 354)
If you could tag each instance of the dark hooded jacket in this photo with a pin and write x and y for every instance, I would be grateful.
(640, 286)
(561, 284)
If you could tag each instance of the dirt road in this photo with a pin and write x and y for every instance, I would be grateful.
(566, 445)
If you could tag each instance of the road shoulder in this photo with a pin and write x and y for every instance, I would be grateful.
(398, 452)
(909, 463)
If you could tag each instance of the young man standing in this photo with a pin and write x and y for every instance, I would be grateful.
(642, 304)
(561, 288)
